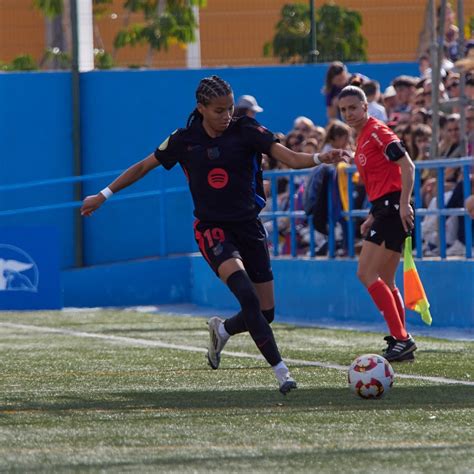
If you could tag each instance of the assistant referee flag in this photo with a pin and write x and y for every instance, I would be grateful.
(414, 293)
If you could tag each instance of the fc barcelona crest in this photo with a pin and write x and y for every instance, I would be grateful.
(213, 153)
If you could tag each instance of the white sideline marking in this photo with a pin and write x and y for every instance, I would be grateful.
(164, 345)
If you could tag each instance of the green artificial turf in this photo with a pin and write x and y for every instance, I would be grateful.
(100, 394)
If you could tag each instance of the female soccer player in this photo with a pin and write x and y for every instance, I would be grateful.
(388, 174)
(221, 159)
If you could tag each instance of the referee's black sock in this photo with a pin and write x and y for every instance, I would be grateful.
(259, 328)
(236, 324)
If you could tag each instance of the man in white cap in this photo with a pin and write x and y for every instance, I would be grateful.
(247, 105)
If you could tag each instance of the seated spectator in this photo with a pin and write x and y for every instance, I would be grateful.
(338, 135)
(418, 99)
(424, 65)
(303, 126)
(469, 205)
(451, 84)
(470, 130)
(420, 145)
(372, 91)
(310, 145)
(427, 93)
(403, 131)
(469, 89)
(458, 247)
(419, 116)
(450, 145)
(405, 87)
(319, 134)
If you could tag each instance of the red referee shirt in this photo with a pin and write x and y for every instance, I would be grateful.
(380, 175)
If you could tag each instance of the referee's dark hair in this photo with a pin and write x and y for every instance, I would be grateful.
(209, 88)
(353, 91)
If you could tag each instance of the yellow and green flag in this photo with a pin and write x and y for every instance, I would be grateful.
(413, 291)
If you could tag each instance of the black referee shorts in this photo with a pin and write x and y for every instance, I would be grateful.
(387, 226)
(247, 241)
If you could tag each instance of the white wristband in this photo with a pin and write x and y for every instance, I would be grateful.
(316, 159)
(106, 192)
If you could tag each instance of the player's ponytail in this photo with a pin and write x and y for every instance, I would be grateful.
(195, 114)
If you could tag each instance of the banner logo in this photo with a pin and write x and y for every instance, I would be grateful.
(18, 271)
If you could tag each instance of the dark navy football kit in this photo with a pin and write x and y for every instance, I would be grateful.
(225, 179)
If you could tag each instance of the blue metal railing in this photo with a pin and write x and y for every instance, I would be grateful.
(293, 214)
(440, 165)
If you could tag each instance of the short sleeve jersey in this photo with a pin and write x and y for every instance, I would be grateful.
(380, 175)
(224, 173)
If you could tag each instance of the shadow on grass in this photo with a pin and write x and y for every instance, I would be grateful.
(338, 399)
(314, 459)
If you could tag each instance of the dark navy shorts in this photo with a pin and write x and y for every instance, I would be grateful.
(247, 241)
(387, 226)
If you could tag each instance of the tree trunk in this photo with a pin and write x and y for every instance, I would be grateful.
(66, 28)
(160, 8)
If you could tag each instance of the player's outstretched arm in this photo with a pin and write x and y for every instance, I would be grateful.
(128, 177)
(297, 160)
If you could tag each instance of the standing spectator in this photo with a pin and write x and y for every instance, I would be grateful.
(221, 158)
(424, 65)
(247, 105)
(372, 92)
(337, 77)
(388, 174)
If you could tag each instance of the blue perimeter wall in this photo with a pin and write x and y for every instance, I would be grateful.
(308, 291)
(125, 115)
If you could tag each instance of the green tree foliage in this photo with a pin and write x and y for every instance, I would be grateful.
(103, 60)
(337, 32)
(164, 23)
(23, 62)
(50, 8)
(53, 8)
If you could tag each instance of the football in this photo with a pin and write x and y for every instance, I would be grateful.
(370, 376)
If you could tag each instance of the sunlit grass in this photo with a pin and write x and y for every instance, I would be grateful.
(86, 404)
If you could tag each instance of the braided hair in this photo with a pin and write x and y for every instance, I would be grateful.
(208, 89)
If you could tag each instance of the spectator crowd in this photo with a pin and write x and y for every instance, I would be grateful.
(406, 106)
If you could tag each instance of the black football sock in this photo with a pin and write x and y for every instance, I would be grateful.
(259, 328)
